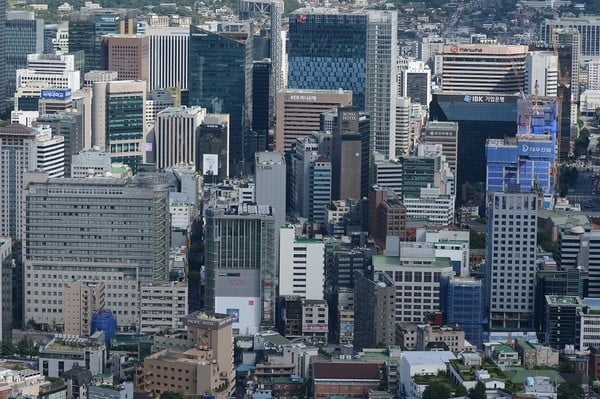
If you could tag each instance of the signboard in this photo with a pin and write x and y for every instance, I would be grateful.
(235, 314)
(484, 99)
(535, 148)
(210, 164)
(59, 94)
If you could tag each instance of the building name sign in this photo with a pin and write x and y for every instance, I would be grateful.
(297, 97)
(483, 99)
(438, 133)
(457, 49)
(526, 148)
(56, 93)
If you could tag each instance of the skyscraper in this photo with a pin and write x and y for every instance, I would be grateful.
(169, 51)
(25, 34)
(319, 189)
(176, 132)
(119, 124)
(262, 108)
(346, 154)
(270, 184)
(462, 300)
(541, 73)
(587, 26)
(17, 155)
(219, 68)
(241, 267)
(353, 51)
(510, 260)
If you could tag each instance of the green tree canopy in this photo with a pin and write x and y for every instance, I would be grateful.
(436, 391)
(478, 392)
(570, 390)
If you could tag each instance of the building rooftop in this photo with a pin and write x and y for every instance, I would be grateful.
(346, 371)
(563, 300)
(394, 261)
(416, 358)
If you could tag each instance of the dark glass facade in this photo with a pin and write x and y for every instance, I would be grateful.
(85, 31)
(125, 128)
(217, 81)
(258, 138)
(479, 118)
(462, 304)
(25, 37)
(3, 89)
(328, 51)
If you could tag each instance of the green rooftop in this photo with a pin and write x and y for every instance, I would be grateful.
(563, 300)
(518, 376)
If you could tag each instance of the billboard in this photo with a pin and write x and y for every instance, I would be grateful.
(210, 164)
(59, 94)
(537, 149)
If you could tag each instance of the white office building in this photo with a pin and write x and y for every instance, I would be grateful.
(301, 265)
(176, 135)
(92, 162)
(57, 71)
(168, 57)
(50, 152)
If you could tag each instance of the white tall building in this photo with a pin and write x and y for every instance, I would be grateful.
(50, 152)
(510, 260)
(17, 155)
(270, 184)
(541, 73)
(301, 265)
(402, 125)
(415, 82)
(381, 89)
(176, 132)
(58, 71)
(168, 57)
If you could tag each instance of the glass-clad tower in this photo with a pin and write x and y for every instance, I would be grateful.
(219, 64)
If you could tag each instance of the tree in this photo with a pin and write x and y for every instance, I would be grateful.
(7, 347)
(597, 114)
(461, 390)
(171, 395)
(570, 390)
(478, 392)
(436, 391)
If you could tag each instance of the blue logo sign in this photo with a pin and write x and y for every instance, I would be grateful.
(59, 94)
(467, 98)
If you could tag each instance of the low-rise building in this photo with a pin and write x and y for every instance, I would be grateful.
(453, 337)
(65, 351)
(418, 363)
(315, 319)
(344, 379)
(535, 355)
(503, 355)
(123, 391)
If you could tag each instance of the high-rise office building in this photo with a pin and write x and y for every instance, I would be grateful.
(176, 132)
(219, 80)
(55, 71)
(353, 51)
(301, 265)
(299, 112)
(375, 315)
(128, 55)
(123, 237)
(346, 154)
(119, 120)
(483, 69)
(87, 27)
(25, 35)
(529, 159)
(319, 189)
(587, 26)
(305, 152)
(169, 51)
(262, 108)
(414, 82)
(446, 134)
(479, 117)
(270, 183)
(510, 260)
(70, 126)
(541, 73)
(213, 138)
(50, 150)
(241, 266)
(403, 139)
(6, 282)
(17, 155)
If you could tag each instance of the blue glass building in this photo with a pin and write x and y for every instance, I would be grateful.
(529, 159)
(328, 51)
(462, 303)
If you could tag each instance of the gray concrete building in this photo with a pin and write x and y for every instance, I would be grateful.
(102, 229)
(271, 184)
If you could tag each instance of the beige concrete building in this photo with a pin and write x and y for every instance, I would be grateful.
(81, 299)
(207, 367)
(299, 112)
(453, 337)
(163, 305)
(446, 134)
